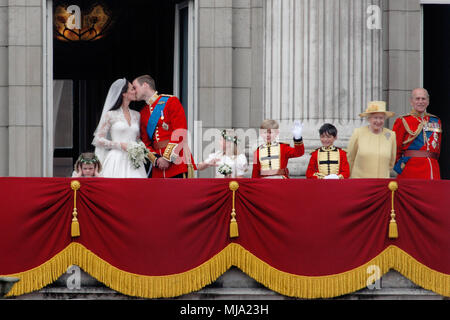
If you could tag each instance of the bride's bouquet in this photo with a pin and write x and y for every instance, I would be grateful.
(225, 169)
(137, 153)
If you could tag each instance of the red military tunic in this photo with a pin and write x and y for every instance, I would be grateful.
(328, 160)
(169, 138)
(271, 160)
(418, 146)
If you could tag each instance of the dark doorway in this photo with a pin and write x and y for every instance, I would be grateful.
(437, 72)
(139, 40)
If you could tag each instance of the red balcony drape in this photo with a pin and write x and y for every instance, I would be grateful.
(164, 238)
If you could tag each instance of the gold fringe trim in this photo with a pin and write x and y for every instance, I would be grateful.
(343, 283)
(124, 282)
(48, 272)
(182, 283)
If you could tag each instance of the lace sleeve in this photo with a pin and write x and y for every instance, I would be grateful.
(101, 136)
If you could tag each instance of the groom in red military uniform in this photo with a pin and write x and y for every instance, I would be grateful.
(419, 136)
(163, 129)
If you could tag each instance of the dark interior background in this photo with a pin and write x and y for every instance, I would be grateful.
(437, 73)
(140, 41)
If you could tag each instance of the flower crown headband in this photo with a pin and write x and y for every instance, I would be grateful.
(89, 161)
(233, 139)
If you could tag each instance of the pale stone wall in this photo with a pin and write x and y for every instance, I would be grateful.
(401, 53)
(322, 65)
(230, 56)
(21, 106)
(4, 112)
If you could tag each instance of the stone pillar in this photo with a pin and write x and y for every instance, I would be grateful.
(215, 63)
(230, 61)
(21, 89)
(4, 135)
(402, 53)
(322, 64)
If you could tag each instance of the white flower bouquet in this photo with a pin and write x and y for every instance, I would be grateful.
(137, 153)
(225, 169)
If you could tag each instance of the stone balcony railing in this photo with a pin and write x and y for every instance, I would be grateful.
(232, 285)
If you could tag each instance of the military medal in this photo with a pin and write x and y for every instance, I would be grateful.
(165, 126)
(434, 143)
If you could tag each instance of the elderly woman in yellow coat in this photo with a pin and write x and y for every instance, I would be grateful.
(372, 149)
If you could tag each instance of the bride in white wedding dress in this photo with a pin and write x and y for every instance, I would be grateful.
(118, 126)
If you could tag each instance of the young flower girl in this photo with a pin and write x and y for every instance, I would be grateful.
(228, 163)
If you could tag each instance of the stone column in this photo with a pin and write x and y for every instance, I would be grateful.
(4, 136)
(322, 64)
(402, 52)
(21, 93)
(230, 60)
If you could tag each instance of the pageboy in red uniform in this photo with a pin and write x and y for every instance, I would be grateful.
(328, 162)
(271, 159)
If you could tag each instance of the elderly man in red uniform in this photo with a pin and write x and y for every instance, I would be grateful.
(163, 129)
(419, 137)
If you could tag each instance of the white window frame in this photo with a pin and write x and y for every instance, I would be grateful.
(47, 88)
(192, 74)
(194, 127)
(424, 2)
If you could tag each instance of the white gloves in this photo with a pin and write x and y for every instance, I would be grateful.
(331, 176)
(297, 130)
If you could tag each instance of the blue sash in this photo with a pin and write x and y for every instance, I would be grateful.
(156, 114)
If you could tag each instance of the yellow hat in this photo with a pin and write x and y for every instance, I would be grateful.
(376, 107)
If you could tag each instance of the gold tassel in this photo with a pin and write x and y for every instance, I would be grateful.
(75, 228)
(234, 231)
(393, 230)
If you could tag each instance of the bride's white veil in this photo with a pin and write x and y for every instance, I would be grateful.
(111, 99)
